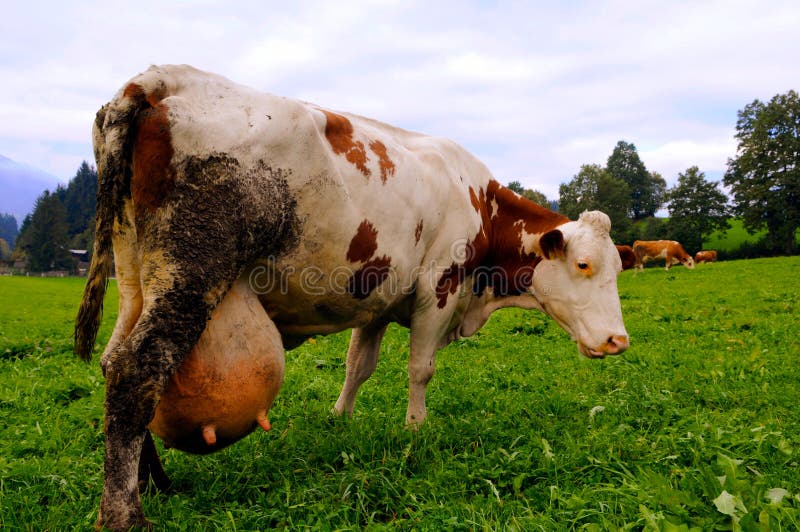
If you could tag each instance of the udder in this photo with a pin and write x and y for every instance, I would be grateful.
(226, 385)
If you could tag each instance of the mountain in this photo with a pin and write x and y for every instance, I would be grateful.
(20, 185)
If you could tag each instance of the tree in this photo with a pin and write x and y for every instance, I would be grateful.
(71, 211)
(531, 194)
(764, 177)
(645, 188)
(594, 188)
(5, 249)
(8, 229)
(80, 199)
(653, 228)
(659, 192)
(46, 240)
(697, 208)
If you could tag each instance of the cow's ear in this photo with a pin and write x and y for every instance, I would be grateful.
(553, 245)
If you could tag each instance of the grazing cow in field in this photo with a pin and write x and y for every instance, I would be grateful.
(332, 221)
(627, 256)
(705, 256)
(669, 250)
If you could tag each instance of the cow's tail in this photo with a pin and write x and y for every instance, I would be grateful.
(113, 138)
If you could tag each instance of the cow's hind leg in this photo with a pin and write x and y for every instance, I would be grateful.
(136, 373)
(216, 219)
(362, 357)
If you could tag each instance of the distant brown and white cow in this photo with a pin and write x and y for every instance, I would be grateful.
(334, 221)
(669, 250)
(627, 256)
(705, 256)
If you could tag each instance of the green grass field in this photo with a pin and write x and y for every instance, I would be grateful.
(733, 238)
(695, 427)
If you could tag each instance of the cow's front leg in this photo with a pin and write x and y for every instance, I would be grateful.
(421, 367)
(362, 357)
(427, 336)
(150, 466)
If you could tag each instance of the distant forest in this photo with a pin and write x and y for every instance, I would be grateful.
(61, 220)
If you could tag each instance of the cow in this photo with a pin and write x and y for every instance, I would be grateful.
(705, 256)
(333, 220)
(669, 250)
(627, 256)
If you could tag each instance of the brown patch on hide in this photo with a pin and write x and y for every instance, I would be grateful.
(474, 252)
(137, 92)
(364, 243)
(369, 277)
(386, 164)
(134, 91)
(339, 132)
(153, 176)
(513, 207)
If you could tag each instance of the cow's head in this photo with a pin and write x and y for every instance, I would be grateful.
(687, 261)
(576, 284)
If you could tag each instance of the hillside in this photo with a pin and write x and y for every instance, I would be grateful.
(733, 238)
(20, 185)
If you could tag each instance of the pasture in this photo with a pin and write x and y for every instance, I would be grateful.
(695, 427)
(735, 237)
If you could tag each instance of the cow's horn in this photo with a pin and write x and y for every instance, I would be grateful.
(596, 219)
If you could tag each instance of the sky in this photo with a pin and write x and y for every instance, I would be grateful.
(534, 89)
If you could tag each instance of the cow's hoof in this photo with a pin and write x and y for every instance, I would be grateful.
(413, 424)
(132, 523)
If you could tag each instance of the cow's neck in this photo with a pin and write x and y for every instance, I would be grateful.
(514, 225)
(501, 256)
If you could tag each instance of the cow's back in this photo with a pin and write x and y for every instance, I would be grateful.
(374, 202)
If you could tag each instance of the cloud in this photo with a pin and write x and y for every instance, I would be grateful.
(533, 89)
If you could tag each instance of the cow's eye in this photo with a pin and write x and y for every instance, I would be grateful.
(583, 266)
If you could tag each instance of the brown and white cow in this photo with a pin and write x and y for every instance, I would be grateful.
(334, 221)
(669, 250)
(627, 256)
(705, 256)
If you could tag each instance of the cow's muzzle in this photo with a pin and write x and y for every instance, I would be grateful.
(615, 345)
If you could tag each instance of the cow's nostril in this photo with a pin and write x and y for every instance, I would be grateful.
(617, 343)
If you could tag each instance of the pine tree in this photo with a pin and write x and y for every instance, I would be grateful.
(8, 229)
(80, 201)
(46, 242)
